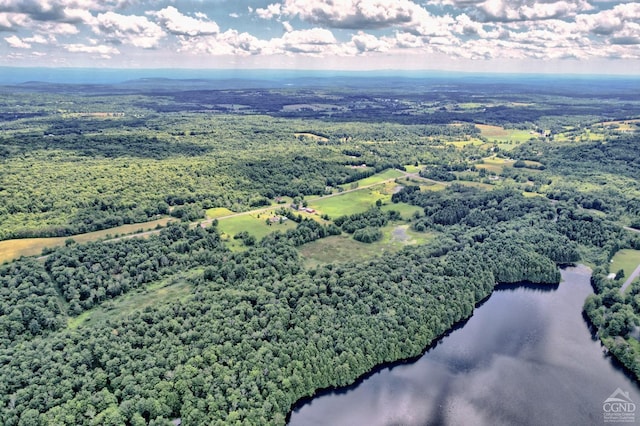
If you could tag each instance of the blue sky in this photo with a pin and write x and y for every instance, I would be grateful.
(574, 36)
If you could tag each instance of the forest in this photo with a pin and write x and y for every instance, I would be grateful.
(205, 323)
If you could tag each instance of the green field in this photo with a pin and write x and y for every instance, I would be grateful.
(255, 224)
(218, 212)
(352, 202)
(406, 210)
(500, 134)
(344, 249)
(412, 169)
(627, 260)
(153, 295)
(377, 178)
(13, 249)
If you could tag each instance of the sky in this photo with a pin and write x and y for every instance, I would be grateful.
(528, 36)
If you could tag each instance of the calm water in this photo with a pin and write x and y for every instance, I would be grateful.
(526, 357)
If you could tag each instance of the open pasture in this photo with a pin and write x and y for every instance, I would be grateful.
(351, 202)
(500, 134)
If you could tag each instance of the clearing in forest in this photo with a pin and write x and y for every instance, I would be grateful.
(500, 134)
(627, 260)
(343, 248)
(13, 249)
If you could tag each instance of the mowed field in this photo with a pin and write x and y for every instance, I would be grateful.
(500, 134)
(377, 178)
(627, 260)
(13, 249)
(254, 223)
(353, 202)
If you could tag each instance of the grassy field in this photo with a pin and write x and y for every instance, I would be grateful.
(254, 224)
(162, 291)
(405, 210)
(353, 202)
(343, 248)
(423, 184)
(412, 169)
(218, 212)
(377, 178)
(627, 260)
(13, 249)
(500, 134)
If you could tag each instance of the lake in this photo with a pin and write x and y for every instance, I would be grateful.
(525, 357)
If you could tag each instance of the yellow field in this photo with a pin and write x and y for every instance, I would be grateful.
(218, 212)
(13, 249)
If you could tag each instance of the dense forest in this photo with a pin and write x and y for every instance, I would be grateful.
(219, 325)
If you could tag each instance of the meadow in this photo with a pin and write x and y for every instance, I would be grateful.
(627, 260)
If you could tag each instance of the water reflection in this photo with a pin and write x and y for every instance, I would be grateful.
(526, 357)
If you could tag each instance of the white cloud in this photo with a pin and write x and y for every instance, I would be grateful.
(270, 11)
(70, 11)
(101, 50)
(353, 14)
(60, 28)
(519, 10)
(230, 42)
(177, 23)
(36, 39)
(13, 21)
(312, 41)
(406, 40)
(15, 42)
(369, 43)
(135, 30)
(609, 21)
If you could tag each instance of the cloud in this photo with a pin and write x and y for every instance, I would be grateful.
(349, 14)
(36, 39)
(270, 11)
(369, 43)
(13, 21)
(15, 42)
(309, 42)
(178, 24)
(71, 11)
(519, 10)
(135, 30)
(312, 41)
(609, 21)
(102, 50)
(230, 42)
